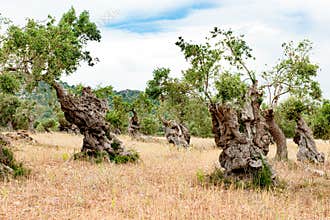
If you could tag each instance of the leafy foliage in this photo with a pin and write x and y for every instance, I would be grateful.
(230, 88)
(294, 74)
(320, 121)
(44, 51)
(100, 157)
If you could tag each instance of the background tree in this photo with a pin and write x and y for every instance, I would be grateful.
(174, 101)
(320, 121)
(9, 103)
(294, 75)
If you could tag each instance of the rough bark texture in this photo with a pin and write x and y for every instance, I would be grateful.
(243, 153)
(68, 127)
(307, 151)
(134, 125)
(176, 133)
(278, 136)
(87, 112)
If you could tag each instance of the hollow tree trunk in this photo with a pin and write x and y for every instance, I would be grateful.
(87, 112)
(307, 151)
(278, 136)
(176, 133)
(243, 153)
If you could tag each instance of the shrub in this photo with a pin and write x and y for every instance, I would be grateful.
(7, 161)
(48, 124)
(263, 177)
(101, 156)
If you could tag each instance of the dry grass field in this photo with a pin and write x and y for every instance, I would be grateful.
(163, 186)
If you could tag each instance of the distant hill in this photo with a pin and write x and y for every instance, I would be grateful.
(128, 94)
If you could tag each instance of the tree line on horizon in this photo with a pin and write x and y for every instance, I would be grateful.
(39, 110)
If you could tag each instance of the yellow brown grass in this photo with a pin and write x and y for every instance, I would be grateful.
(163, 186)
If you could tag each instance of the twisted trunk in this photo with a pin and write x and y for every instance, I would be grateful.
(87, 112)
(176, 133)
(278, 136)
(134, 125)
(307, 151)
(243, 153)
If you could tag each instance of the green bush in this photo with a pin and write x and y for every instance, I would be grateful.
(102, 156)
(150, 125)
(263, 177)
(7, 159)
(320, 121)
(48, 124)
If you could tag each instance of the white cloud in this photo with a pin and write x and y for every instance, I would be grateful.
(127, 59)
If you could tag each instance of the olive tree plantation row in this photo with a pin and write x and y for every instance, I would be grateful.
(219, 95)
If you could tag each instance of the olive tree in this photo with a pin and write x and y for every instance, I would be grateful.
(44, 51)
(217, 67)
(293, 75)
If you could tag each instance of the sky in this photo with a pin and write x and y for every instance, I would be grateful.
(139, 36)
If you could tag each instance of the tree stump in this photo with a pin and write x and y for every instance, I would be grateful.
(307, 151)
(87, 112)
(176, 133)
(243, 152)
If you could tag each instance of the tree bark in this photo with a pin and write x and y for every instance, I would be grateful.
(176, 133)
(240, 154)
(87, 112)
(307, 151)
(243, 153)
(134, 125)
(278, 136)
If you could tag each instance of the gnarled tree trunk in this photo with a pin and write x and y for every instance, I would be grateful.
(176, 133)
(87, 112)
(68, 127)
(307, 151)
(134, 125)
(243, 153)
(278, 136)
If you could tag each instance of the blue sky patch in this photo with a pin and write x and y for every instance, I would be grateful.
(300, 22)
(151, 24)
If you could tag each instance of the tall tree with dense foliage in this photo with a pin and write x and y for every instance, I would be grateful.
(44, 51)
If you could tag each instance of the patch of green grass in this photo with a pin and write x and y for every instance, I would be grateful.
(263, 177)
(102, 156)
(129, 157)
(260, 179)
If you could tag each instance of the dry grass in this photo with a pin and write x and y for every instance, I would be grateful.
(162, 186)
